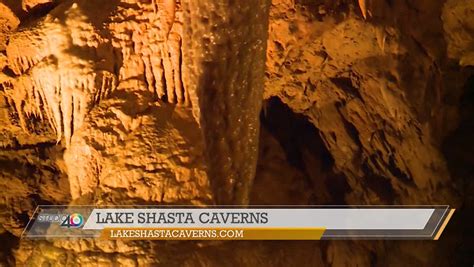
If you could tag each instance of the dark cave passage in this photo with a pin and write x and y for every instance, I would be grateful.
(294, 132)
(304, 150)
(461, 167)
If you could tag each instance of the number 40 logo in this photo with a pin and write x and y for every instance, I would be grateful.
(74, 220)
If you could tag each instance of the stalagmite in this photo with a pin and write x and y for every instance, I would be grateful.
(224, 54)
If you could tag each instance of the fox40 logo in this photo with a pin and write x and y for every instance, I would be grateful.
(74, 220)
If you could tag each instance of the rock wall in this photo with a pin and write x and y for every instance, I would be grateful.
(158, 102)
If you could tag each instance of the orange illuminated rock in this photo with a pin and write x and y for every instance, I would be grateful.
(159, 102)
(8, 23)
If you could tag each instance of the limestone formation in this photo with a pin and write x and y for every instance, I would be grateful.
(62, 67)
(160, 102)
(224, 49)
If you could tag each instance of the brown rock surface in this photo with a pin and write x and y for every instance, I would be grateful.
(458, 24)
(99, 100)
(9, 22)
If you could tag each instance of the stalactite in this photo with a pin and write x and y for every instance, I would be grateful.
(169, 12)
(155, 46)
(158, 74)
(59, 86)
(57, 96)
(175, 52)
(363, 8)
(53, 83)
(224, 54)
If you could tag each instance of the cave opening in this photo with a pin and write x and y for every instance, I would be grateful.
(294, 132)
(305, 150)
